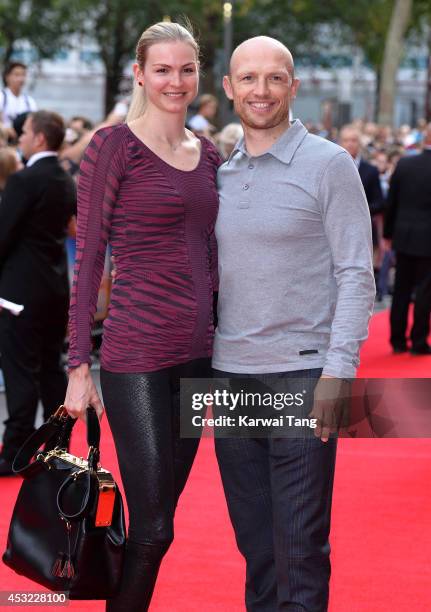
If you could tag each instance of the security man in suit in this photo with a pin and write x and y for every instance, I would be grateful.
(350, 139)
(36, 207)
(408, 228)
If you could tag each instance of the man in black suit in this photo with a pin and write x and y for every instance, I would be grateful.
(350, 139)
(408, 226)
(36, 207)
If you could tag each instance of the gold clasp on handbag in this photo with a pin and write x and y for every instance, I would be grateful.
(46, 457)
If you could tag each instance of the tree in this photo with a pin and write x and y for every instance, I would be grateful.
(377, 28)
(422, 26)
(428, 86)
(206, 17)
(11, 26)
(45, 24)
(117, 25)
(294, 22)
(394, 43)
(363, 25)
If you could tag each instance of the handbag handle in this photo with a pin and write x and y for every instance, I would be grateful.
(56, 432)
(85, 496)
(89, 494)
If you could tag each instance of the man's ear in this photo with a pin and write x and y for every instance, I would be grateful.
(227, 86)
(40, 140)
(294, 87)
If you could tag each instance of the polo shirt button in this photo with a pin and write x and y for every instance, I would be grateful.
(250, 166)
(245, 187)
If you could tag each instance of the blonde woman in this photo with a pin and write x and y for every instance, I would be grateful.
(148, 187)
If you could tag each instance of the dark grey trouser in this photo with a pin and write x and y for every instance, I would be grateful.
(279, 494)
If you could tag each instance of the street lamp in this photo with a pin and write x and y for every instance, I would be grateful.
(227, 52)
(227, 33)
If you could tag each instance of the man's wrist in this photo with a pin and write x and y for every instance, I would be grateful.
(339, 370)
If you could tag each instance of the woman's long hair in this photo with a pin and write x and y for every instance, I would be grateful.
(164, 31)
(8, 165)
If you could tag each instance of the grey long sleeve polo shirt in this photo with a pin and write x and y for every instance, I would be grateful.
(295, 259)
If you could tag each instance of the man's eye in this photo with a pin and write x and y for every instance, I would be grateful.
(246, 78)
(161, 70)
(276, 77)
(190, 70)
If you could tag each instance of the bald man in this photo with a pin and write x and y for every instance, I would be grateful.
(296, 294)
(350, 139)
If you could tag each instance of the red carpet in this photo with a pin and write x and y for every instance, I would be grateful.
(381, 534)
(377, 360)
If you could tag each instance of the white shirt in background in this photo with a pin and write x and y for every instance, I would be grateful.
(36, 156)
(11, 106)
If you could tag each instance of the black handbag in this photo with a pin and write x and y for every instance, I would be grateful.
(67, 530)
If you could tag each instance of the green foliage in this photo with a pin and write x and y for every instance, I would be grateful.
(117, 25)
(295, 22)
(366, 25)
(11, 25)
(45, 24)
(421, 20)
(307, 26)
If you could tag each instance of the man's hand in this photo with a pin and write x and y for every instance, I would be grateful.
(331, 404)
(387, 244)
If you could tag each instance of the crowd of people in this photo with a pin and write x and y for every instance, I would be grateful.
(381, 146)
(371, 145)
(160, 194)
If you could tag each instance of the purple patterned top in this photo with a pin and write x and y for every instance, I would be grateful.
(159, 222)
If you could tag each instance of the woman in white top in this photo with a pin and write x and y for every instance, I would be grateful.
(12, 101)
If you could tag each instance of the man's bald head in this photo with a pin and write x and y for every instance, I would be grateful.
(254, 47)
(350, 130)
(261, 83)
(350, 139)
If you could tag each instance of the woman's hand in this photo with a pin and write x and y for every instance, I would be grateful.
(81, 392)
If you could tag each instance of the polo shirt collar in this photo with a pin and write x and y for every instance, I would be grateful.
(284, 148)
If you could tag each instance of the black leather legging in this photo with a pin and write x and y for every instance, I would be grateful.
(143, 411)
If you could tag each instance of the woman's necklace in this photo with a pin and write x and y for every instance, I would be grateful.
(174, 147)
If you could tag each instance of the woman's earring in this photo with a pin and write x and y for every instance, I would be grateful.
(139, 83)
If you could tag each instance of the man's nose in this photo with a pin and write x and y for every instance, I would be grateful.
(261, 88)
